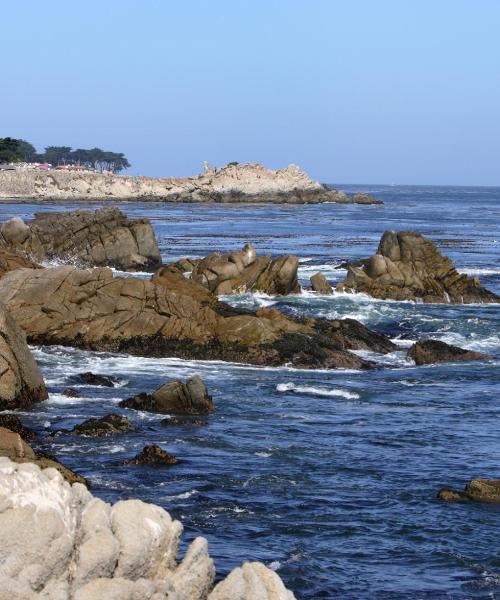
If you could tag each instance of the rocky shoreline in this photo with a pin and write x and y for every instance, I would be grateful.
(129, 550)
(234, 183)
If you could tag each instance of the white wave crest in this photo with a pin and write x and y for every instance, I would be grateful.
(316, 391)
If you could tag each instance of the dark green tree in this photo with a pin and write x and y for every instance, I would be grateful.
(57, 155)
(28, 151)
(10, 150)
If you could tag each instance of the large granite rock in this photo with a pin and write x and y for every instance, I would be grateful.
(173, 316)
(428, 352)
(252, 581)
(57, 541)
(477, 490)
(244, 271)
(15, 448)
(21, 383)
(408, 266)
(105, 237)
(232, 183)
(175, 398)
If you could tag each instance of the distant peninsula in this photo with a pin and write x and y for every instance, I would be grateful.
(253, 183)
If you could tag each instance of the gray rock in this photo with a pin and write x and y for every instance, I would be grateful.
(252, 581)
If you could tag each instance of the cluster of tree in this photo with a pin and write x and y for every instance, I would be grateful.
(14, 150)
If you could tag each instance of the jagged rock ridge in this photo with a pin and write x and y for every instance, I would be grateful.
(105, 237)
(408, 266)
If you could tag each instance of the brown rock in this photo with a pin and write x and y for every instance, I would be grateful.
(175, 397)
(320, 285)
(104, 237)
(152, 455)
(105, 426)
(21, 383)
(428, 352)
(14, 447)
(244, 271)
(172, 316)
(477, 490)
(71, 393)
(10, 261)
(94, 379)
(408, 266)
(362, 198)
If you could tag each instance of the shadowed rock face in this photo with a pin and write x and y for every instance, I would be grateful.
(21, 383)
(173, 316)
(429, 352)
(408, 266)
(477, 490)
(244, 271)
(90, 550)
(105, 237)
(175, 398)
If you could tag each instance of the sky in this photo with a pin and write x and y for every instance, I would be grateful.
(358, 91)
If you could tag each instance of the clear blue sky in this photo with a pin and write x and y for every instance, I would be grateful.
(361, 91)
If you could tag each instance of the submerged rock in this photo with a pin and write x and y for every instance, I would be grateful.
(21, 383)
(477, 490)
(104, 237)
(173, 316)
(185, 421)
(320, 285)
(152, 455)
(428, 352)
(244, 271)
(71, 393)
(175, 397)
(111, 424)
(13, 446)
(408, 266)
(94, 379)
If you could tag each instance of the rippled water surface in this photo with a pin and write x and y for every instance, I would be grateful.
(329, 477)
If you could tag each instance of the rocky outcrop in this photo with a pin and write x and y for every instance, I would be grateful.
(408, 266)
(15, 448)
(477, 490)
(58, 541)
(250, 582)
(428, 352)
(175, 398)
(105, 426)
(173, 316)
(10, 261)
(320, 285)
(89, 378)
(152, 455)
(244, 271)
(232, 183)
(21, 383)
(105, 237)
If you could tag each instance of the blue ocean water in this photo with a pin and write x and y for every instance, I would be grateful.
(329, 477)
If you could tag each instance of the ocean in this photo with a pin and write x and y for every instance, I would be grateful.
(328, 477)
